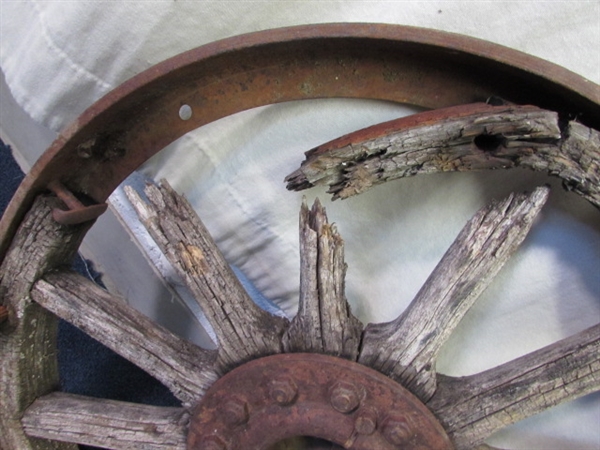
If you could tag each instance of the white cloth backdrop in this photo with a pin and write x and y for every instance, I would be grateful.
(59, 57)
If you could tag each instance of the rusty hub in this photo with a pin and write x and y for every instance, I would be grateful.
(274, 398)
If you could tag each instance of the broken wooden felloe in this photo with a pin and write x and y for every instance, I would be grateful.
(129, 125)
(462, 138)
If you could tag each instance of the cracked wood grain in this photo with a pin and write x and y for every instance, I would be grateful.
(576, 160)
(243, 329)
(180, 365)
(28, 366)
(471, 408)
(106, 423)
(463, 138)
(324, 322)
(406, 348)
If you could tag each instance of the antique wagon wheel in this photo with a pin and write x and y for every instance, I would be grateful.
(266, 382)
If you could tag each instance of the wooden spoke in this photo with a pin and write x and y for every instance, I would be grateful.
(406, 348)
(243, 329)
(324, 323)
(472, 408)
(106, 423)
(183, 367)
(469, 137)
(28, 366)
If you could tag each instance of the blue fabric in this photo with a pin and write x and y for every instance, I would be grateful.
(138, 181)
(10, 176)
(86, 366)
(258, 297)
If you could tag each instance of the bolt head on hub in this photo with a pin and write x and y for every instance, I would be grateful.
(345, 397)
(397, 429)
(283, 391)
(366, 421)
(235, 411)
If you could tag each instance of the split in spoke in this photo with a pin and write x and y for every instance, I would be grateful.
(187, 370)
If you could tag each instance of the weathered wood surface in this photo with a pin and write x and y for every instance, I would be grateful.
(184, 368)
(465, 138)
(106, 423)
(324, 322)
(406, 349)
(471, 408)
(28, 366)
(244, 330)
(576, 160)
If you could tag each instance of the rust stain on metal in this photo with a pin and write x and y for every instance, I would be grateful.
(271, 399)
(278, 397)
(426, 68)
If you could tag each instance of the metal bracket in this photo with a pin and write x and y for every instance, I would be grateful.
(77, 212)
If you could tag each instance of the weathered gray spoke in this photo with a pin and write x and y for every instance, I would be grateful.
(324, 323)
(244, 330)
(184, 368)
(28, 366)
(406, 348)
(472, 408)
(464, 138)
(106, 423)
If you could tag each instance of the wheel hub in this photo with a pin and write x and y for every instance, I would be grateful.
(277, 397)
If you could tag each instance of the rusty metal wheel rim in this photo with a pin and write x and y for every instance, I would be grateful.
(423, 67)
(126, 127)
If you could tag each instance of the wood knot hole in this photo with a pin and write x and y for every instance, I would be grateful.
(488, 142)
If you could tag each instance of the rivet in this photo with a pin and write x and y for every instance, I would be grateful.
(185, 112)
(283, 391)
(397, 430)
(235, 411)
(366, 421)
(344, 397)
